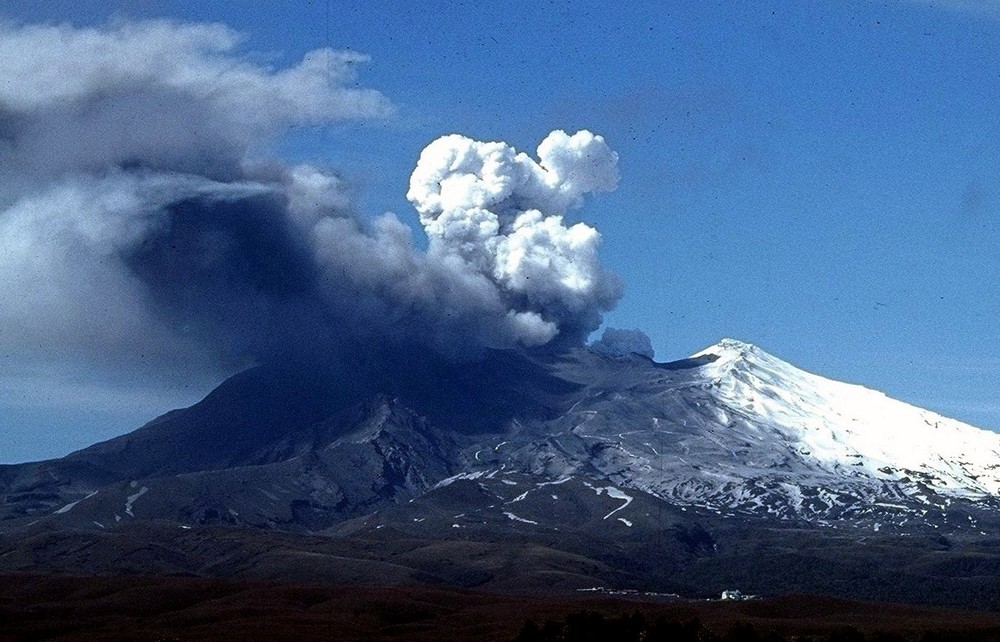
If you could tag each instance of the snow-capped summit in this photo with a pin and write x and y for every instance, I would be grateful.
(843, 425)
(729, 349)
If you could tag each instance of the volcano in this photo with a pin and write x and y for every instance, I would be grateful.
(531, 470)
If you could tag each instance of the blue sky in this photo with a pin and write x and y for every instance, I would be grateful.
(818, 177)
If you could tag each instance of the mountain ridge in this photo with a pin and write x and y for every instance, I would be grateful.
(731, 425)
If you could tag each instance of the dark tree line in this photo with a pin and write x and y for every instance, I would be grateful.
(590, 626)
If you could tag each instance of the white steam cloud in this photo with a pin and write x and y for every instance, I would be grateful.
(500, 213)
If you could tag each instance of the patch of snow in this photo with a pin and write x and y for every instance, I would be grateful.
(612, 492)
(617, 494)
(131, 499)
(514, 517)
(454, 478)
(625, 521)
(68, 507)
(519, 497)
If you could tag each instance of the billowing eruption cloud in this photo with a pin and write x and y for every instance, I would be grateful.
(136, 224)
(501, 214)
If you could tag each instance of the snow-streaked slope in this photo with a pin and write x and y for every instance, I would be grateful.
(734, 429)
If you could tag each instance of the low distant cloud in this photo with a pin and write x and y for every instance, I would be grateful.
(623, 342)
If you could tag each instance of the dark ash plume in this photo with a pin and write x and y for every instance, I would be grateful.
(134, 223)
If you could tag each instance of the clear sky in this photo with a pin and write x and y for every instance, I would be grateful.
(817, 177)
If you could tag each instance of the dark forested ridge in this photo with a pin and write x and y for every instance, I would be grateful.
(119, 608)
